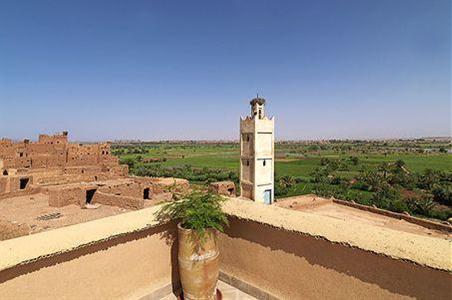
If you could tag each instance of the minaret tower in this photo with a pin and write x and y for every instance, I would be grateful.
(257, 154)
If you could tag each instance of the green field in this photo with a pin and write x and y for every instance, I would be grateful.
(227, 157)
(392, 175)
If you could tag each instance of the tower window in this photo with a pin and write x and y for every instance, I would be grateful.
(264, 163)
(247, 138)
(247, 162)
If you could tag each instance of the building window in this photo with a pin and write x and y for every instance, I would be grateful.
(90, 195)
(247, 138)
(247, 162)
(23, 182)
(146, 193)
(264, 163)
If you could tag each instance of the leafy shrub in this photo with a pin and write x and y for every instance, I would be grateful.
(198, 211)
(421, 206)
(442, 193)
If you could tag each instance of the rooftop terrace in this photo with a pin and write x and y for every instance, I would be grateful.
(267, 252)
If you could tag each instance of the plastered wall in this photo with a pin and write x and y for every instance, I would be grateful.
(291, 265)
(129, 266)
(286, 264)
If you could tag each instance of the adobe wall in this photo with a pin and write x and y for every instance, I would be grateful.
(66, 196)
(130, 189)
(131, 255)
(122, 194)
(119, 201)
(121, 266)
(3, 183)
(162, 185)
(55, 151)
(226, 188)
(9, 230)
(291, 265)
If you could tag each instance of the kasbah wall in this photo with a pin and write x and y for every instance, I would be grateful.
(53, 151)
(70, 173)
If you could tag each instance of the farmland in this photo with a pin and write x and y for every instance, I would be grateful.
(327, 168)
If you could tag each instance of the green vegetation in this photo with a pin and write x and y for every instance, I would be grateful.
(399, 175)
(197, 211)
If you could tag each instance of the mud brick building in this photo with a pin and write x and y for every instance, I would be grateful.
(54, 176)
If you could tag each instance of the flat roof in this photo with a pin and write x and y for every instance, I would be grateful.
(429, 251)
(432, 251)
(329, 208)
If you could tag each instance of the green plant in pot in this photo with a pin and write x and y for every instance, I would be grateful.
(201, 217)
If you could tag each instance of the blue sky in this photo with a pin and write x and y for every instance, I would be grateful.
(152, 70)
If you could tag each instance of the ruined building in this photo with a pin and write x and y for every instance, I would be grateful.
(257, 154)
(55, 151)
(53, 160)
(53, 176)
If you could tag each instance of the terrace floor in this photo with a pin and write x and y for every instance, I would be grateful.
(326, 207)
(228, 292)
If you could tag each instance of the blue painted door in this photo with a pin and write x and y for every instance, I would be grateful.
(268, 197)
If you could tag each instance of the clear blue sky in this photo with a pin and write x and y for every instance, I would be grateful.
(187, 69)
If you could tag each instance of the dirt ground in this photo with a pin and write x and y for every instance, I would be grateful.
(25, 210)
(327, 207)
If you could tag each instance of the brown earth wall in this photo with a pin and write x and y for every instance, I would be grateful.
(66, 196)
(124, 267)
(119, 201)
(290, 265)
(286, 264)
(129, 189)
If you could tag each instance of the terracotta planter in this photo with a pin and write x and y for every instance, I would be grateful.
(198, 264)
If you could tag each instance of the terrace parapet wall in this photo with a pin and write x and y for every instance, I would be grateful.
(266, 251)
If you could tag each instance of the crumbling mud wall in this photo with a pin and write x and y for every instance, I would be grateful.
(125, 193)
(9, 230)
(54, 151)
(119, 201)
(59, 197)
(130, 189)
(17, 185)
(292, 265)
(160, 185)
(225, 188)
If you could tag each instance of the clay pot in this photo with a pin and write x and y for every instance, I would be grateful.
(198, 264)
